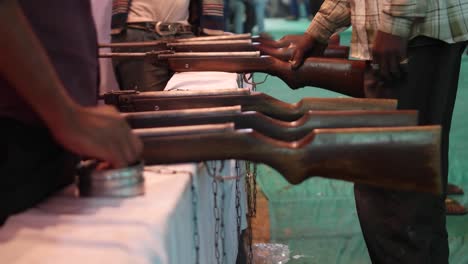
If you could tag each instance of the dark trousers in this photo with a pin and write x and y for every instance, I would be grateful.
(315, 6)
(136, 73)
(294, 8)
(32, 166)
(409, 227)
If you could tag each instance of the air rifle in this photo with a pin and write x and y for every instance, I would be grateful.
(178, 40)
(338, 75)
(220, 44)
(374, 156)
(281, 130)
(132, 101)
(289, 40)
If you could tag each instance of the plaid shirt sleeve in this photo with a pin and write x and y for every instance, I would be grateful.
(333, 15)
(398, 16)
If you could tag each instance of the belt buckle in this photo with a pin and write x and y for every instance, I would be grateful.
(171, 29)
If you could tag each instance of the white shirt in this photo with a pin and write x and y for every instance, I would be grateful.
(159, 10)
(446, 20)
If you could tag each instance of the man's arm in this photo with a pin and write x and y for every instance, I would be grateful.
(92, 131)
(391, 40)
(333, 15)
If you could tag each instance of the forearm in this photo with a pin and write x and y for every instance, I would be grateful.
(398, 16)
(333, 15)
(25, 65)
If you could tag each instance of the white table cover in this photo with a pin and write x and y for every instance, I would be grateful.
(155, 228)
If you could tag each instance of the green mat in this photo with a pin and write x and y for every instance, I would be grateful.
(317, 219)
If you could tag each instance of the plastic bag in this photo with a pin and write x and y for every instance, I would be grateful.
(266, 253)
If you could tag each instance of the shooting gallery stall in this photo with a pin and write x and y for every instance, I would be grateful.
(187, 212)
(212, 130)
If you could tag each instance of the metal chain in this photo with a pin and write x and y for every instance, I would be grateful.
(223, 230)
(251, 179)
(238, 204)
(219, 223)
(196, 235)
(250, 80)
(251, 185)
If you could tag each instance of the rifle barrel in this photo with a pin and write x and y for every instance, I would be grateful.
(247, 36)
(166, 54)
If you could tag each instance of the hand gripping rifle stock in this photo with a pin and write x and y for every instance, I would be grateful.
(165, 41)
(289, 40)
(132, 101)
(281, 130)
(283, 53)
(338, 75)
(403, 158)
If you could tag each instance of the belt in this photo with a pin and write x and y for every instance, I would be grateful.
(162, 28)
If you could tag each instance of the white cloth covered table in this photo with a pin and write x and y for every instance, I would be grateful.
(155, 228)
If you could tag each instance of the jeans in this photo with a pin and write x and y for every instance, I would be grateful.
(238, 9)
(294, 8)
(260, 6)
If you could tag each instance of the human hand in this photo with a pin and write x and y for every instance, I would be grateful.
(284, 42)
(306, 46)
(98, 132)
(389, 55)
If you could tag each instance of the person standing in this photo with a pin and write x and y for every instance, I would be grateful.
(149, 20)
(416, 47)
(260, 7)
(48, 114)
(294, 11)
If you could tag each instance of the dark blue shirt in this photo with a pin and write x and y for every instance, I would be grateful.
(66, 30)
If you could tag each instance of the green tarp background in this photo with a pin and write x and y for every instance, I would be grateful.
(317, 219)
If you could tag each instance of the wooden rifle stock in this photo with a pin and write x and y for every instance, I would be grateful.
(290, 40)
(338, 75)
(285, 54)
(281, 130)
(374, 156)
(259, 102)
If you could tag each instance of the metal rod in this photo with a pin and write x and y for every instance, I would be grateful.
(205, 112)
(162, 55)
(183, 130)
(178, 40)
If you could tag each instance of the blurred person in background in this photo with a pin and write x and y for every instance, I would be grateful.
(149, 20)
